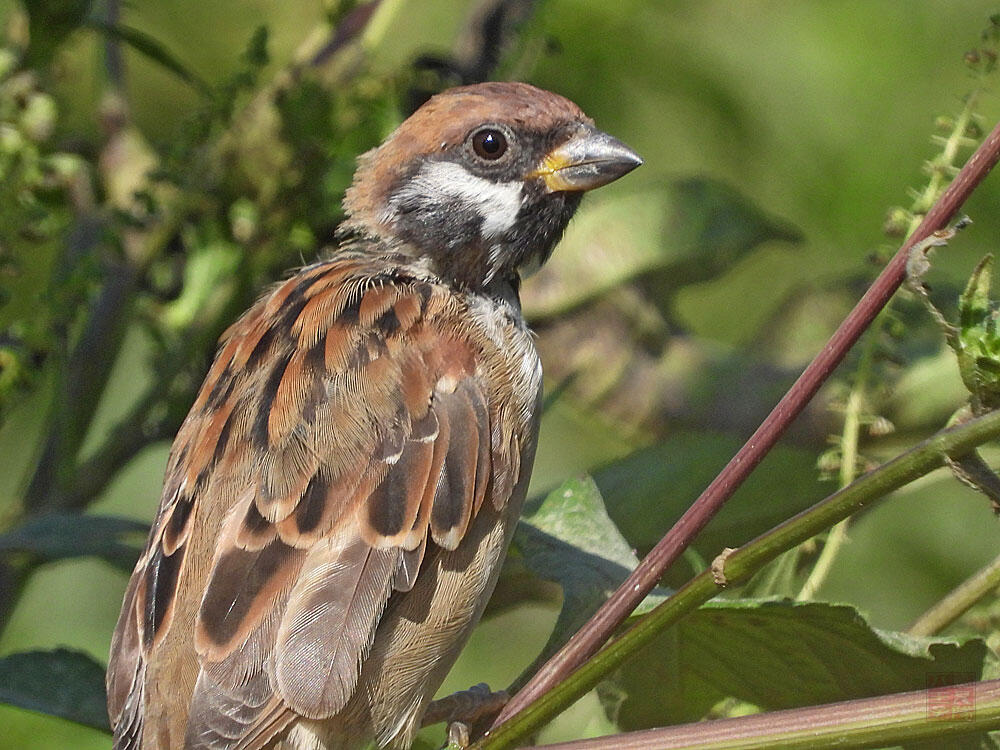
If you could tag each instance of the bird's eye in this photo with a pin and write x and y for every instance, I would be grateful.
(489, 144)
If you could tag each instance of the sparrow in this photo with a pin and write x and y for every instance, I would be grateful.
(339, 500)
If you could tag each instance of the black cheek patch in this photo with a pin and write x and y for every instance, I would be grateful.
(433, 227)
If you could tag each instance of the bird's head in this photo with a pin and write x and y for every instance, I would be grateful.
(482, 180)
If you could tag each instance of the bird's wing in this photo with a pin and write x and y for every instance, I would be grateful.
(346, 423)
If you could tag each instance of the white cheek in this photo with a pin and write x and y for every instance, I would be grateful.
(502, 206)
(498, 203)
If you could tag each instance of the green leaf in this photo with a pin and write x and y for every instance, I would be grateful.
(567, 537)
(208, 284)
(648, 490)
(974, 304)
(668, 235)
(782, 654)
(56, 536)
(50, 22)
(153, 49)
(978, 342)
(64, 683)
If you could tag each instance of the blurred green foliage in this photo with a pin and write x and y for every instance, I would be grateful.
(160, 163)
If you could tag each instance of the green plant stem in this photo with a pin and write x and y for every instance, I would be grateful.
(377, 28)
(850, 437)
(114, 60)
(941, 172)
(979, 585)
(81, 384)
(125, 440)
(848, 465)
(739, 564)
(935, 713)
(835, 541)
(852, 423)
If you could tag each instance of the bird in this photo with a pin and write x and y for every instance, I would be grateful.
(339, 499)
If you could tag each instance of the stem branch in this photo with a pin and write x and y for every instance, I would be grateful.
(897, 719)
(958, 601)
(741, 564)
(585, 643)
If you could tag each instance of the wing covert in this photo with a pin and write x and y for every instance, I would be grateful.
(345, 424)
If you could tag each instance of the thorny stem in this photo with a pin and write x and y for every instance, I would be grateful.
(848, 470)
(585, 643)
(982, 583)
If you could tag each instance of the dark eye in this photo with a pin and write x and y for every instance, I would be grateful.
(489, 144)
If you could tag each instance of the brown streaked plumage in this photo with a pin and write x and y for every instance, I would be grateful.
(339, 499)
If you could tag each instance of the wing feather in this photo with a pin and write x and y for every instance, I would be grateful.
(455, 492)
(330, 622)
(125, 675)
(355, 432)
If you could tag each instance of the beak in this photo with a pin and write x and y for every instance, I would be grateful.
(586, 161)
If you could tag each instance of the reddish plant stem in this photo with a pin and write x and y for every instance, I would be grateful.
(939, 713)
(586, 642)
